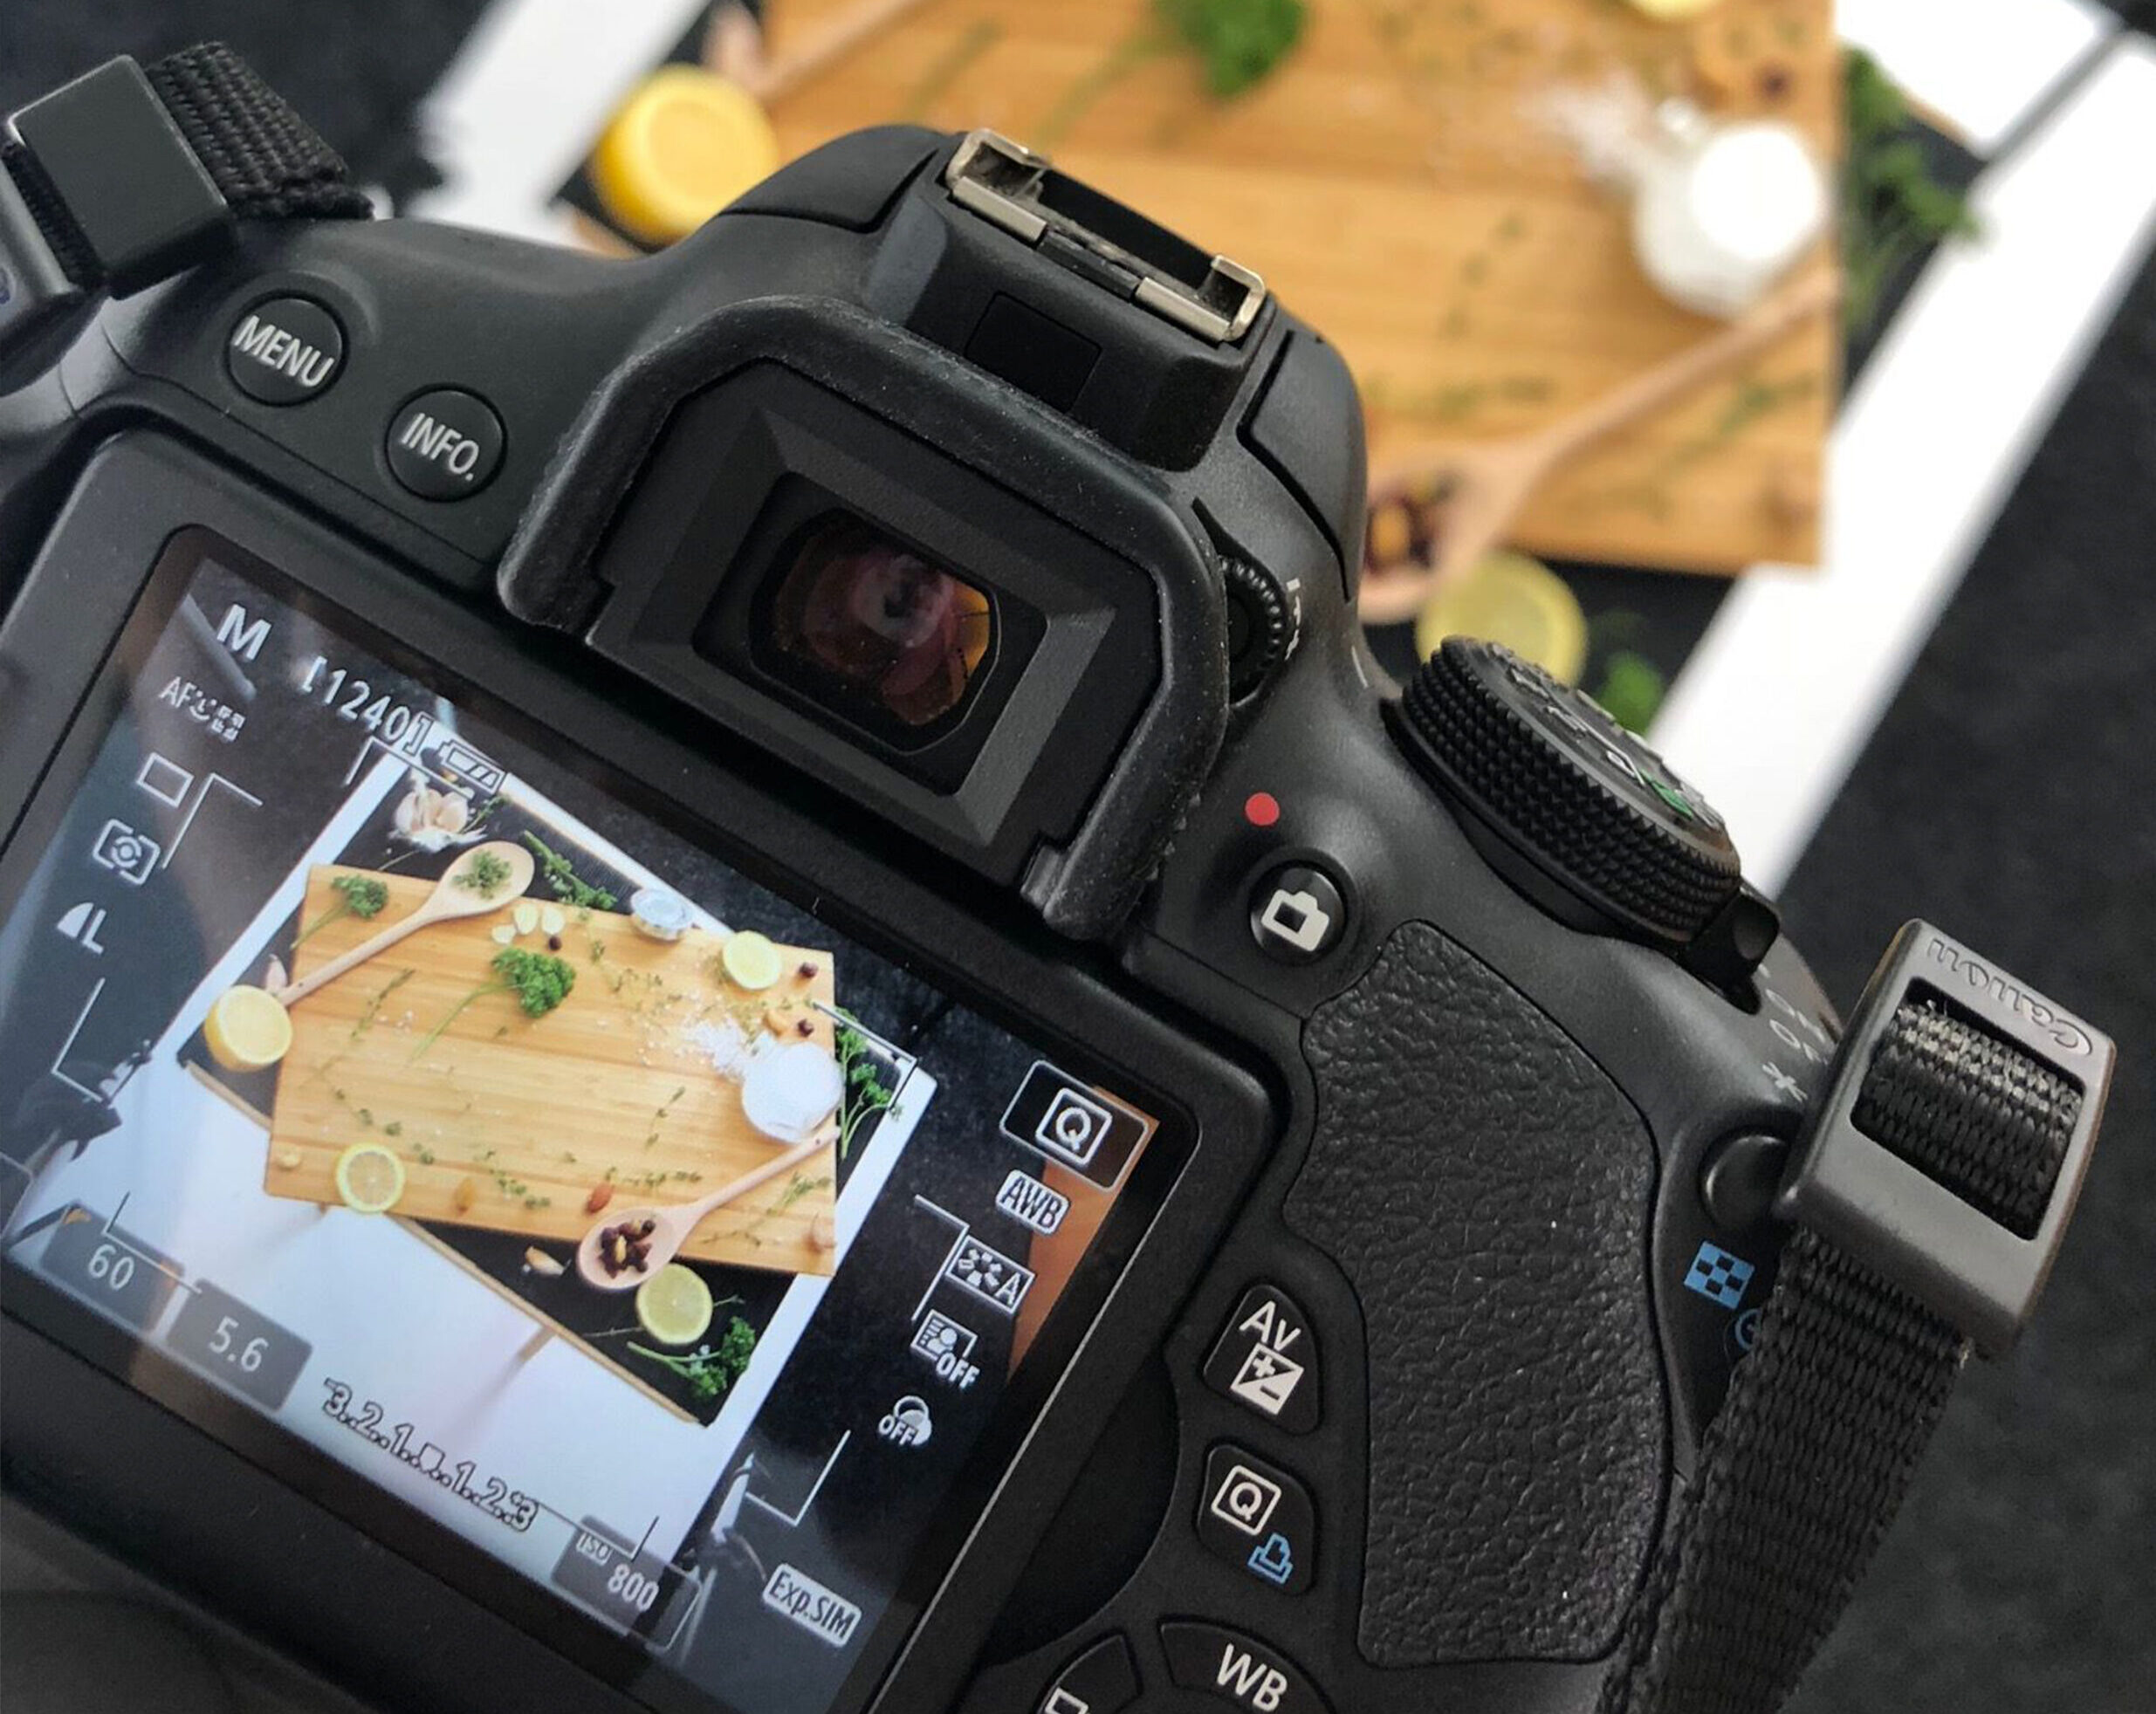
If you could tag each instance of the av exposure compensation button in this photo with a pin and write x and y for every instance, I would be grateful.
(1101, 1680)
(446, 444)
(285, 351)
(1216, 1662)
(1266, 1360)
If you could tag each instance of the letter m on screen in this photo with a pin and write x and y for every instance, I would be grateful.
(245, 638)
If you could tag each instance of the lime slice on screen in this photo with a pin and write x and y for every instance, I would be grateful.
(751, 960)
(674, 1304)
(1512, 599)
(370, 1178)
(248, 1029)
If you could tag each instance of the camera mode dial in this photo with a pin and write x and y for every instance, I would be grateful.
(1587, 804)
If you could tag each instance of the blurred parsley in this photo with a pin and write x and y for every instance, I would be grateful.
(1893, 209)
(1632, 688)
(1237, 43)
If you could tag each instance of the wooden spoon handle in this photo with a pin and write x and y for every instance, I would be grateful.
(751, 1180)
(293, 992)
(777, 78)
(1692, 367)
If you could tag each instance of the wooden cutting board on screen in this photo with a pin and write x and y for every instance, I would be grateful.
(614, 1087)
(1392, 186)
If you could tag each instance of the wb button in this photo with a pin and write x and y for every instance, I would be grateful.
(1094, 1134)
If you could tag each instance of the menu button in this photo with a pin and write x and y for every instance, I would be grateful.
(285, 351)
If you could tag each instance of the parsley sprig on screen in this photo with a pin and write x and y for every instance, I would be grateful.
(539, 981)
(709, 1370)
(360, 895)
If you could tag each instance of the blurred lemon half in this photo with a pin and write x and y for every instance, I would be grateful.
(370, 1178)
(1671, 11)
(1512, 599)
(248, 1029)
(684, 143)
(674, 1304)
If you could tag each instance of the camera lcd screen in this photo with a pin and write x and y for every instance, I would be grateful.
(366, 1050)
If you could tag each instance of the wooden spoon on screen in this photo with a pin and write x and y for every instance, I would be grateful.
(1438, 507)
(487, 878)
(651, 1237)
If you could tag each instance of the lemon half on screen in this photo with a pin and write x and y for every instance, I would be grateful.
(751, 960)
(247, 1030)
(370, 1178)
(684, 143)
(674, 1304)
(1512, 599)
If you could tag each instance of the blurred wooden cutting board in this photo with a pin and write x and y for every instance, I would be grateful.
(1389, 184)
(612, 1087)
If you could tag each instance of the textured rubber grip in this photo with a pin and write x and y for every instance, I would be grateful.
(1486, 1188)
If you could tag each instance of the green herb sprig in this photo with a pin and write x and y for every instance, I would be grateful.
(483, 873)
(1237, 43)
(539, 981)
(865, 1093)
(360, 895)
(709, 1370)
(561, 876)
(1893, 209)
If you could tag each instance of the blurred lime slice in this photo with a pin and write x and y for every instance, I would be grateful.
(1512, 599)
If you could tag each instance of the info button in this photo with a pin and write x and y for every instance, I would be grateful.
(446, 444)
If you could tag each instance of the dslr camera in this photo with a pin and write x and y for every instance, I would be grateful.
(727, 987)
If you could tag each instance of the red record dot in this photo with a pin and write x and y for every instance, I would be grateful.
(1261, 809)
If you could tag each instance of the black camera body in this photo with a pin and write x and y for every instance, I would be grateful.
(1489, 1068)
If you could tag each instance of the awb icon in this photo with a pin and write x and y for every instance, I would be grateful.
(1253, 1682)
(1029, 1202)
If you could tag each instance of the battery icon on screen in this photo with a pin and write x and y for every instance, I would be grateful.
(463, 765)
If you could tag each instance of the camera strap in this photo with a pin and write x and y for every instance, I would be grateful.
(131, 173)
(1929, 1192)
